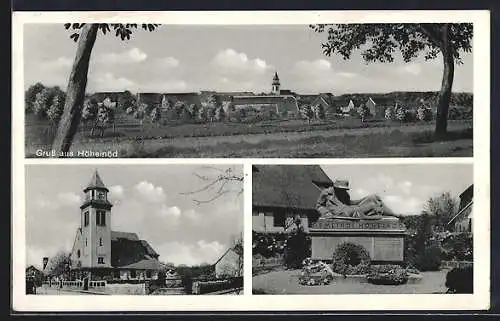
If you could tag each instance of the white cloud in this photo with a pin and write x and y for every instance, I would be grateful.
(411, 68)
(134, 55)
(191, 254)
(402, 205)
(116, 193)
(313, 66)
(60, 200)
(59, 63)
(69, 198)
(231, 60)
(405, 186)
(108, 82)
(167, 62)
(163, 86)
(150, 192)
(169, 212)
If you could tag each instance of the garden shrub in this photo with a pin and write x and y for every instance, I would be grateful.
(429, 259)
(350, 259)
(387, 275)
(460, 280)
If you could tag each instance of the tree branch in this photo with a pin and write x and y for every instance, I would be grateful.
(433, 36)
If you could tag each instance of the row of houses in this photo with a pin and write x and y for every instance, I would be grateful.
(281, 101)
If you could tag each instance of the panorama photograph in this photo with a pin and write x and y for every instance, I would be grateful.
(279, 91)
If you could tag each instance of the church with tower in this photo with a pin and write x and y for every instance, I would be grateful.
(105, 254)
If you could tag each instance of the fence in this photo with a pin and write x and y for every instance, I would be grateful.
(455, 264)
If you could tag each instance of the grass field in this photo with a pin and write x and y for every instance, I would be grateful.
(286, 282)
(293, 138)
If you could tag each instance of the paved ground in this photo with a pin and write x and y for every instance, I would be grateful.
(55, 291)
(286, 282)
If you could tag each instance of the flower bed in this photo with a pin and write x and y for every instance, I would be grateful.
(387, 275)
(351, 259)
(203, 287)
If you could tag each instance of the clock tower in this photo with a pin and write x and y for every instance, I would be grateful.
(95, 225)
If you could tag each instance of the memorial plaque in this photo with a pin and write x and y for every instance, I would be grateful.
(383, 238)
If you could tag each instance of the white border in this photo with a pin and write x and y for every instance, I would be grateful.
(478, 300)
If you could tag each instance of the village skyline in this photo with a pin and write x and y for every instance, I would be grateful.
(237, 58)
(143, 202)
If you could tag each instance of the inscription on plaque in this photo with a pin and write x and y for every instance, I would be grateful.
(334, 225)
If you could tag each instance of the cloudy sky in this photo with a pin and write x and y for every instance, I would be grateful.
(404, 188)
(224, 58)
(147, 201)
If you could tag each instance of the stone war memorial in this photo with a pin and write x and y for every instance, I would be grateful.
(382, 237)
(367, 222)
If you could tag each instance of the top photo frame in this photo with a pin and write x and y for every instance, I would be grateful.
(305, 84)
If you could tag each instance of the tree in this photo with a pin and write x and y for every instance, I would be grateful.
(89, 113)
(202, 114)
(389, 113)
(193, 111)
(141, 112)
(319, 112)
(156, 116)
(30, 96)
(211, 113)
(126, 101)
(424, 113)
(220, 114)
(363, 112)
(59, 264)
(41, 103)
(401, 113)
(442, 207)
(56, 108)
(217, 182)
(307, 112)
(381, 41)
(85, 34)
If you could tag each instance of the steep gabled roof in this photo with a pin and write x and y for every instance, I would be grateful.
(288, 186)
(115, 235)
(131, 252)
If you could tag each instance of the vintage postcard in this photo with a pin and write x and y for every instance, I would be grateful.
(312, 160)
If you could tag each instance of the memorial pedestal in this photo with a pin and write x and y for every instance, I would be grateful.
(383, 238)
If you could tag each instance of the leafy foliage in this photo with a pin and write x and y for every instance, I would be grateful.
(124, 31)
(443, 207)
(429, 259)
(379, 42)
(387, 275)
(350, 258)
(363, 112)
(424, 113)
(59, 264)
(30, 96)
(41, 103)
(460, 280)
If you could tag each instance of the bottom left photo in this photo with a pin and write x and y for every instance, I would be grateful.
(134, 229)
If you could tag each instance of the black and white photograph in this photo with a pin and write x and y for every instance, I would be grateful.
(97, 90)
(134, 230)
(362, 229)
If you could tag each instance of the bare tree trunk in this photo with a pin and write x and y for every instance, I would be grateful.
(446, 85)
(75, 92)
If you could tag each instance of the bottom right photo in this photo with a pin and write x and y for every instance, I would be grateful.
(361, 229)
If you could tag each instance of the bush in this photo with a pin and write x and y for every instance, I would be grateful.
(350, 259)
(218, 285)
(429, 259)
(460, 280)
(387, 275)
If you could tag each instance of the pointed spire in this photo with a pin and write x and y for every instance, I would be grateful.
(96, 182)
(276, 79)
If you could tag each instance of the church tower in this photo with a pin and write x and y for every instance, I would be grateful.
(95, 225)
(276, 84)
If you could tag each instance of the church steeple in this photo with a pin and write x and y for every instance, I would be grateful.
(96, 183)
(276, 84)
(96, 192)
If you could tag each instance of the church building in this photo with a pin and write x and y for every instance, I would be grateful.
(103, 253)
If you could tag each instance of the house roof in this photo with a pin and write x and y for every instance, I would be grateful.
(460, 212)
(145, 264)
(288, 186)
(96, 182)
(115, 235)
(225, 253)
(130, 252)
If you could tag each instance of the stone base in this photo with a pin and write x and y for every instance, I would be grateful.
(382, 238)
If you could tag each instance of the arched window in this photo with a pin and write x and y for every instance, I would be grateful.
(100, 241)
(78, 253)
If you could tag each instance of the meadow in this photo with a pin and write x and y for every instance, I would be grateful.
(347, 137)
